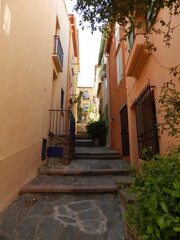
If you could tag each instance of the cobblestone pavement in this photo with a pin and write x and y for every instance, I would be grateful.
(63, 217)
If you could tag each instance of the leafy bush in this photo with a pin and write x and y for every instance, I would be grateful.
(97, 130)
(157, 188)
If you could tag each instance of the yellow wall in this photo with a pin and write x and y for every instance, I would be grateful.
(86, 101)
(26, 74)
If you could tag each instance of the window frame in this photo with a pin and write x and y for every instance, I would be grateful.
(119, 65)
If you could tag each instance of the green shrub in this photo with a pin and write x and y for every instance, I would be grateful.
(157, 188)
(97, 130)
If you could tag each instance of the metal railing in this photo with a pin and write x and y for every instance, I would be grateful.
(62, 123)
(58, 49)
(147, 134)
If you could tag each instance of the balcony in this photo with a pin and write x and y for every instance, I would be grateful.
(138, 56)
(58, 54)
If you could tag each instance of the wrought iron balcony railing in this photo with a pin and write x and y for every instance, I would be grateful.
(58, 53)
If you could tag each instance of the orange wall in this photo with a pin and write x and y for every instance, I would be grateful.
(117, 95)
(156, 70)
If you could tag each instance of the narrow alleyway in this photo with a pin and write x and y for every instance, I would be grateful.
(75, 202)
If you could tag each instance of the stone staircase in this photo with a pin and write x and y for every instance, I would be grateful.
(93, 170)
(83, 141)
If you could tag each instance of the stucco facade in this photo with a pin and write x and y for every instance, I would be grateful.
(153, 66)
(29, 85)
(117, 89)
(73, 67)
(135, 81)
(86, 102)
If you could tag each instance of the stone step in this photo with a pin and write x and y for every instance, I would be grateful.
(82, 136)
(86, 143)
(56, 171)
(93, 153)
(47, 188)
(73, 180)
(97, 156)
(123, 181)
(125, 198)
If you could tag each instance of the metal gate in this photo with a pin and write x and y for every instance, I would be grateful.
(146, 123)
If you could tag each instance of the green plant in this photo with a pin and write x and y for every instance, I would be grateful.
(157, 188)
(128, 14)
(97, 130)
(79, 108)
(170, 109)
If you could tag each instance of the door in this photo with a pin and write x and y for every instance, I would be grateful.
(124, 131)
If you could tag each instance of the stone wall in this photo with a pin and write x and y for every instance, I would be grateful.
(67, 145)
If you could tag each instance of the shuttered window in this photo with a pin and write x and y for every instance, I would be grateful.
(119, 66)
(117, 35)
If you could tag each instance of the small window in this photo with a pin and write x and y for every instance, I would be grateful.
(119, 66)
(83, 118)
(130, 41)
(85, 107)
(152, 11)
(117, 35)
(62, 98)
(85, 95)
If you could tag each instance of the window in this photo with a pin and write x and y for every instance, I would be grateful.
(117, 35)
(62, 98)
(130, 41)
(152, 11)
(83, 117)
(119, 66)
(146, 123)
(85, 95)
(85, 107)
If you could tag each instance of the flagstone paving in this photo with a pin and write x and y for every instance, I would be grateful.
(95, 150)
(61, 217)
(90, 211)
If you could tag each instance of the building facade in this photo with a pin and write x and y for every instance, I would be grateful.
(146, 72)
(136, 76)
(114, 92)
(73, 67)
(34, 42)
(86, 103)
(103, 85)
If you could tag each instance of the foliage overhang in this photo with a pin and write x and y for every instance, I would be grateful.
(99, 13)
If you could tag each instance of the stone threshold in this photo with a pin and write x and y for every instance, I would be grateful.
(48, 188)
(97, 153)
(87, 172)
(103, 157)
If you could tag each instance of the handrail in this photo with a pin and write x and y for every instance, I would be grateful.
(61, 122)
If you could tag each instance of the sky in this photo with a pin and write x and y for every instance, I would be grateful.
(89, 45)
